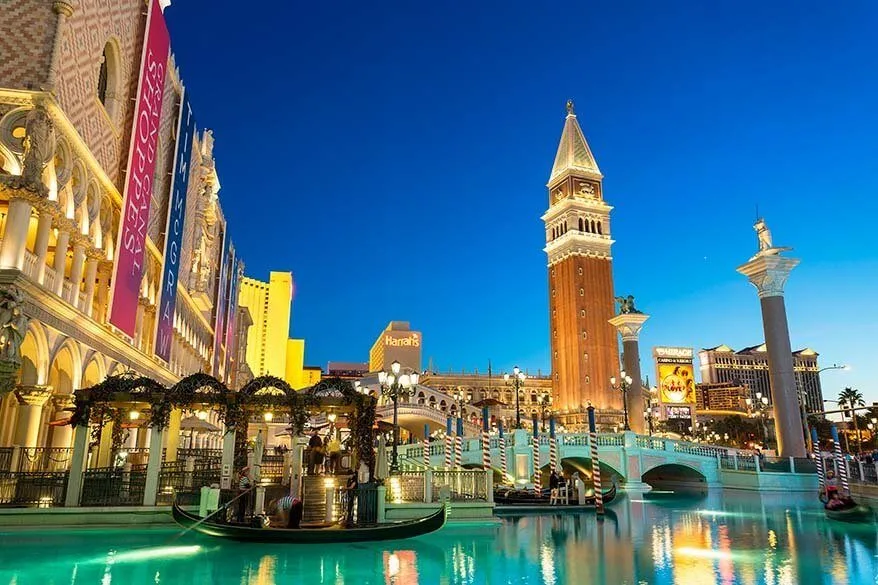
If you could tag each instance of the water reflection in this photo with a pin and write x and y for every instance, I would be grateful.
(722, 538)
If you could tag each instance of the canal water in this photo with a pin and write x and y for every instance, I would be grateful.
(723, 537)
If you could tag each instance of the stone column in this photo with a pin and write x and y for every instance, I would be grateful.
(31, 400)
(76, 269)
(629, 326)
(61, 244)
(78, 461)
(105, 447)
(64, 10)
(91, 275)
(173, 433)
(41, 244)
(153, 467)
(62, 435)
(228, 459)
(105, 269)
(768, 273)
(15, 233)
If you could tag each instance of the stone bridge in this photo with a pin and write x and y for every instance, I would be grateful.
(633, 459)
(413, 417)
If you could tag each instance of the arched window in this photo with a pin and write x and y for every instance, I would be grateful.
(581, 225)
(600, 231)
(109, 82)
(592, 227)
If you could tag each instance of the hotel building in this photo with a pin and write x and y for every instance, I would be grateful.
(749, 367)
(396, 343)
(107, 264)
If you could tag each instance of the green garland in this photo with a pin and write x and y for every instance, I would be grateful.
(361, 421)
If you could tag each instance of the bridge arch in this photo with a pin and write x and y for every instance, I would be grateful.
(582, 465)
(675, 475)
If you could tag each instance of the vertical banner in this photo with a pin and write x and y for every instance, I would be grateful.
(231, 285)
(174, 231)
(219, 302)
(131, 244)
(231, 319)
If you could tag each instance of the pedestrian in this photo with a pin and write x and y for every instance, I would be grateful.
(314, 445)
(243, 497)
(333, 449)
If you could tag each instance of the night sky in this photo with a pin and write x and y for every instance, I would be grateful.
(394, 157)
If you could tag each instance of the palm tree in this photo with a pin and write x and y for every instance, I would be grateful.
(851, 398)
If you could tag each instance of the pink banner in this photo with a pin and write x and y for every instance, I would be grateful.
(131, 244)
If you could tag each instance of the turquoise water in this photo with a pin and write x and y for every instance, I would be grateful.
(723, 538)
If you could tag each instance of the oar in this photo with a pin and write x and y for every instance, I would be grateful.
(212, 514)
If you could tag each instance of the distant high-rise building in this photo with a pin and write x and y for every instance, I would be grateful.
(724, 396)
(396, 343)
(269, 304)
(749, 367)
(585, 347)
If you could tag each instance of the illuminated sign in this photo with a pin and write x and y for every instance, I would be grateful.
(673, 352)
(411, 340)
(676, 383)
(678, 412)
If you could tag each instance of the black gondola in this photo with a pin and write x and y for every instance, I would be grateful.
(333, 534)
(509, 497)
(853, 512)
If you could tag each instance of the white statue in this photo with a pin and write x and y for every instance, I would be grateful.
(13, 323)
(763, 234)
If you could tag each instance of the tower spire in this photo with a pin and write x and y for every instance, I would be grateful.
(573, 156)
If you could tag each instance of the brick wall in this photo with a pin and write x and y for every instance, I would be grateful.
(27, 29)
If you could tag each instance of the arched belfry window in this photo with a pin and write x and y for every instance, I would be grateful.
(600, 231)
(102, 79)
(581, 225)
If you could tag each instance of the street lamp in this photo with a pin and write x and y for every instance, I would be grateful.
(802, 398)
(393, 385)
(545, 403)
(649, 411)
(517, 380)
(624, 384)
(758, 408)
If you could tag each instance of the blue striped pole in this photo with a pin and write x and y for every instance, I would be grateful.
(502, 450)
(840, 462)
(595, 462)
(427, 446)
(818, 460)
(448, 424)
(537, 471)
(486, 439)
(458, 445)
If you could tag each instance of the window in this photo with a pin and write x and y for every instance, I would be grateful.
(582, 313)
(588, 379)
(585, 355)
(592, 227)
(581, 228)
(108, 86)
(580, 271)
(599, 229)
(582, 292)
(102, 79)
(585, 334)
(553, 292)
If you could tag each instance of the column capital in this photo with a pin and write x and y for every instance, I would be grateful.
(95, 254)
(768, 273)
(629, 325)
(33, 395)
(80, 240)
(63, 8)
(11, 189)
(61, 401)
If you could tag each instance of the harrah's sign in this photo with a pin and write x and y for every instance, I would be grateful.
(408, 341)
(128, 268)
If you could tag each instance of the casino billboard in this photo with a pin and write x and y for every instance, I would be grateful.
(676, 381)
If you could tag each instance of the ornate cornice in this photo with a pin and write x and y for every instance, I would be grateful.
(575, 243)
(768, 274)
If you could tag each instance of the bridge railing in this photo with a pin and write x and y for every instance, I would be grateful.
(459, 485)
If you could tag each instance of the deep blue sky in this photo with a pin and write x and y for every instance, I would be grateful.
(394, 156)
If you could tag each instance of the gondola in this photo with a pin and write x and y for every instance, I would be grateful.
(333, 534)
(853, 513)
(509, 497)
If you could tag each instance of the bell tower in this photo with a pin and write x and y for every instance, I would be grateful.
(585, 350)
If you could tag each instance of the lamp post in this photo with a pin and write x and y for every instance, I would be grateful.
(393, 384)
(758, 408)
(802, 398)
(649, 412)
(545, 403)
(622, 386)
(517, 380)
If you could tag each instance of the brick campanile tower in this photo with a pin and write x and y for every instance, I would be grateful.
(585, 349)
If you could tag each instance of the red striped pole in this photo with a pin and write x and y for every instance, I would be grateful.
(553, 444)
(840, 462)
(595, 463)
(448, 443)
(502, 451)
(458, 445)
(486, 440)
(538, 487)
(818, 461)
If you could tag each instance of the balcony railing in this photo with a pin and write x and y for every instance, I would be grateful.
(112, 487)
(40, 489)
